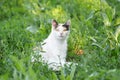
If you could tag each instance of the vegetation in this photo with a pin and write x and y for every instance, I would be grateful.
(94, 42)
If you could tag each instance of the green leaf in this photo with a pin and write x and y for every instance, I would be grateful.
(62, 76)
(72, 72)
(54, 76)
(18, 64)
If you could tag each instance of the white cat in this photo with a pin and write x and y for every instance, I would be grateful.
(55, 46)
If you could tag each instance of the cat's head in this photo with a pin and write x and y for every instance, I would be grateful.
(60, 30)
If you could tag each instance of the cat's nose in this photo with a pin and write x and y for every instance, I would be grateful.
(61, 34)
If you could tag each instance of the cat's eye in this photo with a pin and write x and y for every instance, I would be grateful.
(57, 29)
(65, 30)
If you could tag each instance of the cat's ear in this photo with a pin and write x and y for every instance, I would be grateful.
(54, 23)
(68, 23)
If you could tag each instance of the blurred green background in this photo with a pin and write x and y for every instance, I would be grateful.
(94, 41)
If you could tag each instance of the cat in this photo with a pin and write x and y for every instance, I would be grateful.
(54, 48)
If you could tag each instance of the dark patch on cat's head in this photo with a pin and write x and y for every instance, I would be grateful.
(67, 25)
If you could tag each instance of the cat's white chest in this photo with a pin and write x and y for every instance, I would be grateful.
(59, 48)
(54, 51)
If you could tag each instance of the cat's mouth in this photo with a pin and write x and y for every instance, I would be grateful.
(61, 36)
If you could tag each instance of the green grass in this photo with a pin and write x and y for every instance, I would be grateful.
(94, 30)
